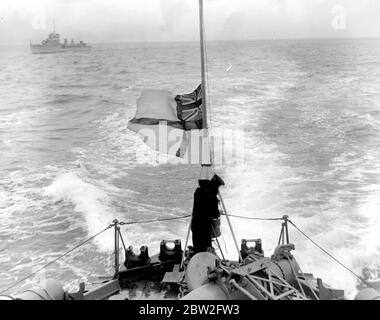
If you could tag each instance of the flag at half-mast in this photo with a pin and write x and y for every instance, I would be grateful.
(167, 123)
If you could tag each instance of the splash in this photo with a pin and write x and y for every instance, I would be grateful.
(89, 200)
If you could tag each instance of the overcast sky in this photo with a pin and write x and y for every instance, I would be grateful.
(175, 20)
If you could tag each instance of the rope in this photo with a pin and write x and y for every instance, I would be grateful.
(122, 240)
(217, 241)
(230, 225)
(327, 253)
(55, 260)
(311, 240)
(82, 244)
(252, 218)
(154, 220)
(224, 242)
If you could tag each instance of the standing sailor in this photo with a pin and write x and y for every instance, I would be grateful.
(205, 212)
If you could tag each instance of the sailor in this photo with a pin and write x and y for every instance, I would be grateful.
(205, 210)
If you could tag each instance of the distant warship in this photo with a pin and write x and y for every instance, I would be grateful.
(53, 45)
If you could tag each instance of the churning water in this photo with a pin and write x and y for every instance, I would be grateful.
(310, 111)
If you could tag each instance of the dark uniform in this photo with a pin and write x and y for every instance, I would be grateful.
(206, 208)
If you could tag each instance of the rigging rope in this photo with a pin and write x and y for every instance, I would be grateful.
(154, 220)
(55, 260)
(327, 253)
(257, 219)
(217, 241)
(311, 240)
(82, 244)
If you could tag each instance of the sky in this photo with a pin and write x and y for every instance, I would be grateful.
(98, 21)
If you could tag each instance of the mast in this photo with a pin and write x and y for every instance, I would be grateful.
(206, 169)
(203, 62)
(207, 160)
(206, 150)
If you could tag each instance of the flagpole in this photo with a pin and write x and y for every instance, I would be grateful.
(203, 62)
(206, 163)
(206, 150)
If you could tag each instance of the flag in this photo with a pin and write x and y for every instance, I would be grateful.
(163, 121)
(189, 109)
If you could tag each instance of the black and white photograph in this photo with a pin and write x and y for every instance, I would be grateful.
(206, 152)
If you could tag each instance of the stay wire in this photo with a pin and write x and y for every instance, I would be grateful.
(329, 254)
(153, 220)
(55, 260)
(311, 240)
(82, 244)
(253, 218)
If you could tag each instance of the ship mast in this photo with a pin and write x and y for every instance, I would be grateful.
(203, 62)
(207, 161)
(206, 150)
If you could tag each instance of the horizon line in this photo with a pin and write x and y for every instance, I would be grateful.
(215, 40)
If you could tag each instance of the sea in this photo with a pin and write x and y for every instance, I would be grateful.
(310, 114)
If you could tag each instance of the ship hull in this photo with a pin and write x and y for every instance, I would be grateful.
(57, 49)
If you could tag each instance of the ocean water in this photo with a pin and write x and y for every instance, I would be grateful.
(310, 111)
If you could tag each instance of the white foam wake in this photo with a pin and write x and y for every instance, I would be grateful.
(89, 200)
